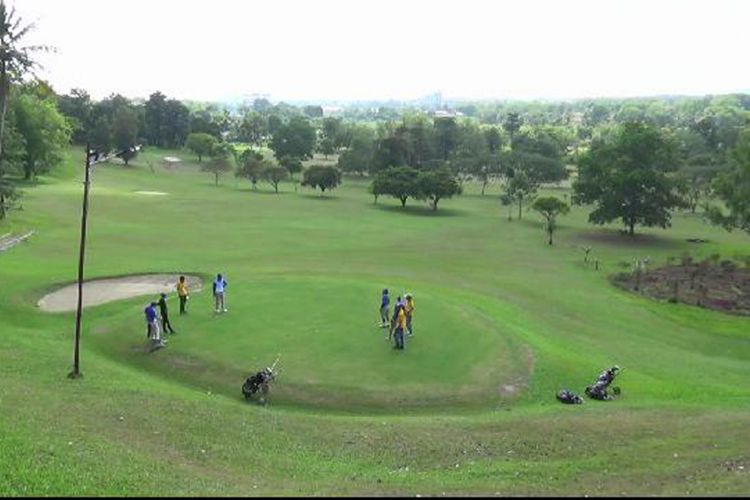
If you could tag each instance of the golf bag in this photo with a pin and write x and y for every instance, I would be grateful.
(569, 398)
(260, 383)
(599, 389)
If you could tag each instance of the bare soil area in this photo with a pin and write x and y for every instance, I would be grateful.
(102, 291)
(721, 286)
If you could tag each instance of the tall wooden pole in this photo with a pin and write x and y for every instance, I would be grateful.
(76, 373)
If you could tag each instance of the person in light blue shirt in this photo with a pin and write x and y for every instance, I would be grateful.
(385, 302)
(220, 286)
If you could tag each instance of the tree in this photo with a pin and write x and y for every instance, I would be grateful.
(358, 156)
(550, 207)
(15, 59)
(627, 178)
(291, 164)
(435, 185)
(322, 176)
(512, 124)
(176, 124)
(45, 132)
(100, 135)
(77, 107)
(446, 135)
(220, 160)
(155, 117)
(274, 174)
(398, 182)
(253, 128)
(201, 144)
(296, 138)
(519, 188)
(252, 165)
(125, 131)
(11, 163)
(733, 188)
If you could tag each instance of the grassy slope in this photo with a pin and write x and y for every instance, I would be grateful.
(495, 307)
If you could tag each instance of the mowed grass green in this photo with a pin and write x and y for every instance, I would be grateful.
(502, 322)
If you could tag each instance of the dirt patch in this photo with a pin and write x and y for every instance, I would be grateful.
(102, 291)
(720, 286)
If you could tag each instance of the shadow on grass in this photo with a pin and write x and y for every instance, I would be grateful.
(316, 196)
(419, 211)
(263, 191)
(620, 238)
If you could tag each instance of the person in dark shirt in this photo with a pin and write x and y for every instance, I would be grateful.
(385, 302)
(165, 324)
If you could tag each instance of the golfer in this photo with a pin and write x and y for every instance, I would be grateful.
(409, 309)
(220, 285)
(182, 292)
(400, 325)
(165, 324)
(385, 302)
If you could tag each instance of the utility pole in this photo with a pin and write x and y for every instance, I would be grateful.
(76, 373)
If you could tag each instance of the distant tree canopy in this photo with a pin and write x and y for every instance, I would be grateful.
(733, 188)
(252, 166)
(296, 139)
(322, 176)
(220, 162)
(627, 178)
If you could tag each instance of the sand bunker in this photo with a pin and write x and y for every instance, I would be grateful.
(101, 291)
(171, 159)
(152, 193)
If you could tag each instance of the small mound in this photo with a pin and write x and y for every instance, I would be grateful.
(102, 291)
(152, 193)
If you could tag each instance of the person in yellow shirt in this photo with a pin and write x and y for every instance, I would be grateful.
(409, 309)
(400, 325)
(182, 292)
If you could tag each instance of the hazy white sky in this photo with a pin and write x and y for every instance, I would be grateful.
(362, 49)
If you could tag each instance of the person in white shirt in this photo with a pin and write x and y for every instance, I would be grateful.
(220, 285)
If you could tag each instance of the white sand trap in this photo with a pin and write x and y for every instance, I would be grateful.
(101, 291)
(152, 193)
(171, 159)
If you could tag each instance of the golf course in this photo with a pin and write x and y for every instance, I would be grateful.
(502, 322)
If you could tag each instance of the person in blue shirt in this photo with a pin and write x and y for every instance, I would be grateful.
(220, 285)
(153, 326)
(385, 302)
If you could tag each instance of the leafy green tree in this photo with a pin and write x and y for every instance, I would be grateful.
(322, 176)
(512, 124)
(296, 138)
(220, 161)
(11, 163)
(125, 131)
(252, 165)
(628, 178)
(494, 139)
(77, 107)
(435, 185)
(155, 115)
(201, 144)
(274, 174)
(519, 188)
(45, 132)
(358, 156)
(733, 188)
(550, 207)
(446, 135)
(16, 59)
(291, 164)
(176, 123)
(100, 135)
(253, 128)
(398, 182)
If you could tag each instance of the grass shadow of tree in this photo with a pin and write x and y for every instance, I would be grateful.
(620, 238)
(420, 211)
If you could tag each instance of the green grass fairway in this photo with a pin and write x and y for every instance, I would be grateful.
(502, 322)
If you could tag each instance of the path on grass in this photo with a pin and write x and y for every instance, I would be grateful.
(101, 291)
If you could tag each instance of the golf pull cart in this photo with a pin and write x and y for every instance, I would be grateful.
(257, 386)
(599, 389)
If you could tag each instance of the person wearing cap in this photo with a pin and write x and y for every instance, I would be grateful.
(409, 310)
(385, 302)
(165, 324)
(220, 285)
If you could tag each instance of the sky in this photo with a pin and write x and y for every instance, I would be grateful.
(392, 49)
